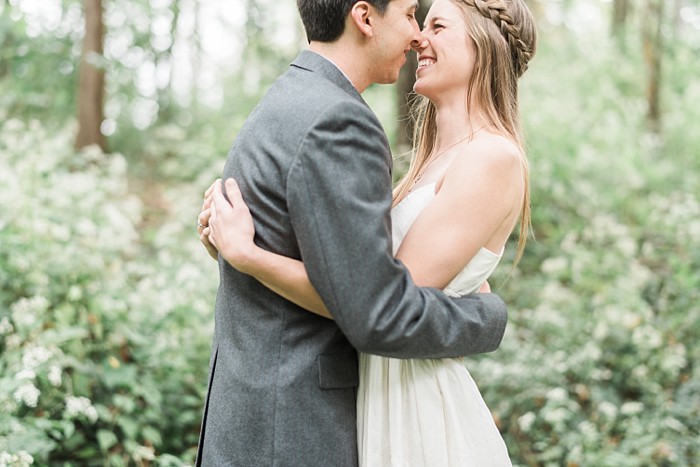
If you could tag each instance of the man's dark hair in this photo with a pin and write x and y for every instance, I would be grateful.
(324, 20)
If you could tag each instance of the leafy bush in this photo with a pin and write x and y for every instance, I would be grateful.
(105, 325)
(600, 362)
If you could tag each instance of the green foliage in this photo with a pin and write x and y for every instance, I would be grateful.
(600, 362)
(104, 333)
(37, 70)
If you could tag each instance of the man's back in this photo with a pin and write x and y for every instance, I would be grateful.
(282, 380)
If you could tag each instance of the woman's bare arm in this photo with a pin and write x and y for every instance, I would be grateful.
(476, 206)
(230, 230)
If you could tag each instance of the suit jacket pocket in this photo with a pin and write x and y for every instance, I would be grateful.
(338, 370)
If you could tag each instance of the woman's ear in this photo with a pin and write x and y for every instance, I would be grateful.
(361, 17)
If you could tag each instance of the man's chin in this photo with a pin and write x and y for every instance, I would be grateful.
(390, 78)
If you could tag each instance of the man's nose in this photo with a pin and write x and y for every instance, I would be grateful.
(419, 43)
(417, 35)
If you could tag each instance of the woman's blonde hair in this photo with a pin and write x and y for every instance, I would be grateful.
(505, 39)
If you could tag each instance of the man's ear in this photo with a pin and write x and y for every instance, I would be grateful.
(361, 17)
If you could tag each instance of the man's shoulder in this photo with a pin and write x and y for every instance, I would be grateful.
(309, 88)
(302, 99)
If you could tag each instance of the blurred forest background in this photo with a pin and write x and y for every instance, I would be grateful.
(116, 115)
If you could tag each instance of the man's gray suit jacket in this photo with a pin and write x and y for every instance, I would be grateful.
(314, 164)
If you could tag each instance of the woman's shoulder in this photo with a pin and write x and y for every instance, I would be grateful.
(488, 153)
(487, 172)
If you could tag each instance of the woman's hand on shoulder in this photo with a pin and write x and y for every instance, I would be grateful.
(203, 221)
(231, 229)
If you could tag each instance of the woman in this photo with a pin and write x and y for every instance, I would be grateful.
(464, 193)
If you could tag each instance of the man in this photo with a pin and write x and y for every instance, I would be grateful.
(314, 165)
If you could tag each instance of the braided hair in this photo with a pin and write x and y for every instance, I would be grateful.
(511, 27)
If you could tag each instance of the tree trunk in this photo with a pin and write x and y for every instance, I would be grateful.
(404, 87)
(653, 42)
(8, 41)
(620, 13)
(91, 80)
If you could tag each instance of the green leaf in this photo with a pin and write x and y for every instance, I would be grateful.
(151, 434)
(106, 439)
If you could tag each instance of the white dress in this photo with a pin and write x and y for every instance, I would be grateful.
(426, 412)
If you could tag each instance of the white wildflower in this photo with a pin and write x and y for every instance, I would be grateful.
(674, 359)
(13, 341)
(555, 266)
(608, 409)
(92, 152)
(554, 292)
(525, 421)
(675, 424)
(14, 124)
(556, 416)
(35, 356)
(76, 406)
(59, 232)
(592, 352)
(629, 320)
(639, 274)
(8, 405)
(85, 228)
(26, 310)
(23, 318)
(75, 293)
(5, 326)
(587, 428)
(55, 375)
(640, 372)
(647, 336)
(117, 164)
(144, 453)
(557, 395)
(601, 374)
(627, 246)
(601, 330)
(693, 229)
(28, 394)
(631, 408)
(25, 374)
(35, 304)
(25, 458)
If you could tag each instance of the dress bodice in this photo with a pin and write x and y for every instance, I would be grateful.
(475, 273)
(426, 412)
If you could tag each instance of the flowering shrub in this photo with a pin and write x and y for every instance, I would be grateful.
(599, 366)
(105, 323)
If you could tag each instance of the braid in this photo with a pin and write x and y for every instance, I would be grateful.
(495, 10)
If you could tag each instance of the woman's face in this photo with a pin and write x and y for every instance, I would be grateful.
(446, 54)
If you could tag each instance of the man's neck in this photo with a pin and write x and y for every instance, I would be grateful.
(347, 59)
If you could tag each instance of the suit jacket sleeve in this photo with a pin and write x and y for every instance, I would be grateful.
(339, 202)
